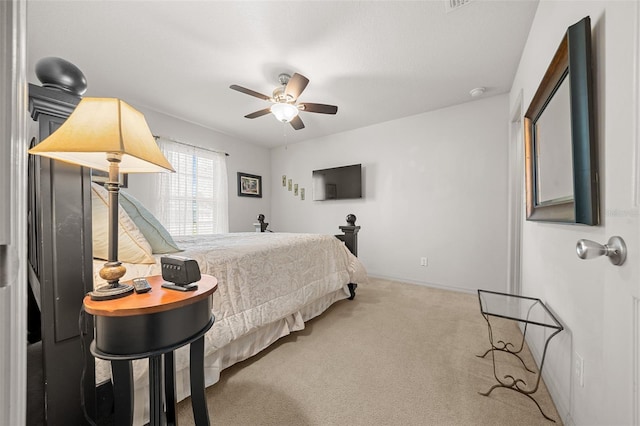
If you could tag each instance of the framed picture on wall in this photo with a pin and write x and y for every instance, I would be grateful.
(249, 185)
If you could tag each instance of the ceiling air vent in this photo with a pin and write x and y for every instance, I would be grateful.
(451, 5)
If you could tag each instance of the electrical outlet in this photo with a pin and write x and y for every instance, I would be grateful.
(579, 369)
(424, 261)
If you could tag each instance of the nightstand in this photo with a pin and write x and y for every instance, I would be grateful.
(152, 325)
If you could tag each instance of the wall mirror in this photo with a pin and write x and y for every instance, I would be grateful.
(560, 149)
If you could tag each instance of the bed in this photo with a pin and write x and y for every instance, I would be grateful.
(269, 285)
(74, 385)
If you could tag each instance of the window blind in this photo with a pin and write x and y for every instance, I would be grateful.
(194, 199)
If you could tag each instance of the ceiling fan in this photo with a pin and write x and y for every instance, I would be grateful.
(284, 99)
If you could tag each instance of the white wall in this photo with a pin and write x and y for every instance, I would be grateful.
(243, 157)
(592, 298)
(435, 186)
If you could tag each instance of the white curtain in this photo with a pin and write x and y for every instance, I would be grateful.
(194, 200)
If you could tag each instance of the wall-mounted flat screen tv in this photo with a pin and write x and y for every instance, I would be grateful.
(337, 183)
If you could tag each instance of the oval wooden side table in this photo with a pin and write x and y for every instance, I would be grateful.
(152, 325)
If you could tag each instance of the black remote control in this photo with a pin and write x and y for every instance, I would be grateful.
(188, 287)
(140, 285)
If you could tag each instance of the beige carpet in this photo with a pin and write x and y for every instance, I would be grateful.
(399, 354)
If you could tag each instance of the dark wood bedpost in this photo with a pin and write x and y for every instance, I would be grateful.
(261, 226)
(351, 234)
(350, 238)
(60, 253)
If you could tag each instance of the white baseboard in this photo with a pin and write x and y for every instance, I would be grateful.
(422, 283)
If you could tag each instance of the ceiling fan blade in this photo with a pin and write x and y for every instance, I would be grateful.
(321, 108)
(296, 85)
(296, 123)
(258, 113)
(249, 92)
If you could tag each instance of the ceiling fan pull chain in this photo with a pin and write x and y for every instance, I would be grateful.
(284, 133)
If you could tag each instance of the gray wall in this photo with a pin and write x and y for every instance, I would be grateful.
(435, 186)
(243, 157)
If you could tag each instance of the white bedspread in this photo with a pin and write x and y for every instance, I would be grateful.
(262, 278)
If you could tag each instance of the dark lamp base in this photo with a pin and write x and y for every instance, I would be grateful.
(111, 292)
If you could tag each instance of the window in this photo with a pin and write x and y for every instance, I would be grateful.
(193, 200)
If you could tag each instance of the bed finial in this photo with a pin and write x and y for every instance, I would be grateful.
(261, 226)
(61, 74)
(351, 219)
(350, 234)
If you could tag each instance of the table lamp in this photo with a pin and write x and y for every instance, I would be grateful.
(107, 134)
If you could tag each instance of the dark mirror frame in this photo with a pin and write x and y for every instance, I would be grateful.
(573, 61)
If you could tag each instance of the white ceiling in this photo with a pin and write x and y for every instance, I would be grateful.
(376, 60)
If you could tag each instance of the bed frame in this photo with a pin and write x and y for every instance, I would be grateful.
(62, 371)
(349, 237)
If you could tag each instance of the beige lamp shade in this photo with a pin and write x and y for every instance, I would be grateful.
(105, 125)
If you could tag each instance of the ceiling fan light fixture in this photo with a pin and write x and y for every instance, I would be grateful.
(284, 112)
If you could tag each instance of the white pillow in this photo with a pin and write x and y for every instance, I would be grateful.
(156, 235)
(132, 246)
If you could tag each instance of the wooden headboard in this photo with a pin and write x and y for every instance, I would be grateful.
(60, 255)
